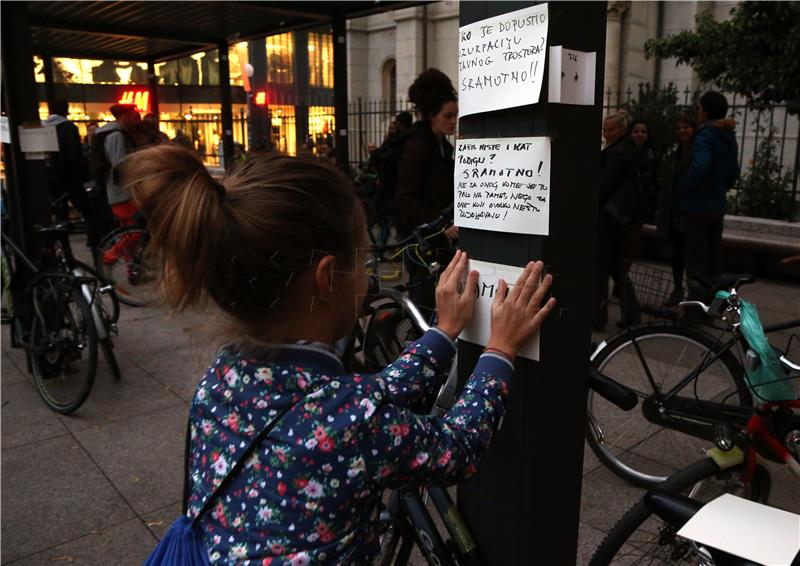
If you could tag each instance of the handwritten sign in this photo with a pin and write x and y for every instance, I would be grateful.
(503, 184)
(5, 132)
(571, 78)
(501, 61)
(477, 331)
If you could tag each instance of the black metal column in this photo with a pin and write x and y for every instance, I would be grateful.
(27, 181)
(301, 80)
(340, 90)
(152, 83)
(227, 104)
(523, 505)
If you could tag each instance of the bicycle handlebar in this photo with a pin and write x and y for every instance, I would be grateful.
(417, 235)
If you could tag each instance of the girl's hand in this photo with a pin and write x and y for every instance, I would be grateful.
(455, 308)
(518, 316)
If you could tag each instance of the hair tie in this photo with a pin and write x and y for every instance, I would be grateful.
(220, 188)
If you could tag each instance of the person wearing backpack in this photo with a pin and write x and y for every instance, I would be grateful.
(287, 454)
(111, 145)
(425, 168)
(713, 170)
(67, 172)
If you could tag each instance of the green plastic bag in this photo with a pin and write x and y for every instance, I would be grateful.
(764, 378)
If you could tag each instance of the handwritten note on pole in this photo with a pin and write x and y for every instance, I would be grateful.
(501, 61)
(479, 327)
(503, 184)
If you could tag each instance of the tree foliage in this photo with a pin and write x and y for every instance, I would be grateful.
(755, 53)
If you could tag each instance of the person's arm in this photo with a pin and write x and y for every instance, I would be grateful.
(116, 148)
(613, 172)
(419, 368)
(73, 151)
(407, 447)
(700, 164)
(412, 166)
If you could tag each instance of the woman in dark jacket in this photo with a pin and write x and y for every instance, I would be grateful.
(669, 219)
(424, 185)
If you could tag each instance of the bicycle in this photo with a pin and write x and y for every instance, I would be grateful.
(686, 381)
(124, 258)
(731, 467)
(69, 318)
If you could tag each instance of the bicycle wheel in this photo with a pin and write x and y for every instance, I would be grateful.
(124, 259)
(639, 451)
(639, 537)
(64, 345)
(108, 300)
(107, 346)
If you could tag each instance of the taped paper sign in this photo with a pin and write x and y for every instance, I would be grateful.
(571, 79)
(479, 327)
(38, 139)
(5, 133)
(503, 184)
(501, 61)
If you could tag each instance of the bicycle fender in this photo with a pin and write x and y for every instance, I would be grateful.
(728, 459)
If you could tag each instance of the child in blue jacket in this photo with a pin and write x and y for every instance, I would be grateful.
(276, 248)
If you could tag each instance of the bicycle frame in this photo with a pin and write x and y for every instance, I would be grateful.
(758, 430)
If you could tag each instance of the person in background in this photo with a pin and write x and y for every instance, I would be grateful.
(618, 214)
(647, 184)
(669, 221)
(403, 121)
(91, 128)
(153, 134)
(67, 171)
(424, 172)
(713, 170)
(182, 139)
(119, 139)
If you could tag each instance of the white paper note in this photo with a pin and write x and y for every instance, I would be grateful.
(571, 77)
(503, 184)
(501, 61)
(38, 139)
(5, 133)
(746, 529)
(479, 327)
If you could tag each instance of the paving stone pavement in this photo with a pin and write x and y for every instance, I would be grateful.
(100, 486)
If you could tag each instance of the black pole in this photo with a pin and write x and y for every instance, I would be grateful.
(27, 181)
(523, 504)
(340, 89)
(227, 104)
(49, 86)
(152, 83)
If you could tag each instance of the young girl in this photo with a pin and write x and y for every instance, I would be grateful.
(275, 247)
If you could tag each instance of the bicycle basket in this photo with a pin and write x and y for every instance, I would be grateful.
(388, 333)
(653, 287)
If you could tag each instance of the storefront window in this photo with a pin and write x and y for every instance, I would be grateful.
(280, 58)
(320, 59)
(321, 127)
(196, 69)
(38, 68)
(237, 59)
(94, 71)
(284, 135)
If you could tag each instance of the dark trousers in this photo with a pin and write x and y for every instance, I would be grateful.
(677, 257)
(98, 221)
(702, 245)
(613, 241)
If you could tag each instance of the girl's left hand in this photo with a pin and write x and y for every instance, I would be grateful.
(454, 305)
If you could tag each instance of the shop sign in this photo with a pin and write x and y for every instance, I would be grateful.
(138, 98)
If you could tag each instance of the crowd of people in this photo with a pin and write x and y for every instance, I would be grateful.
(253, 245)
(687, 204)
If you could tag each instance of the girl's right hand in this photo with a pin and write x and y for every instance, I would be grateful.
(518, 315)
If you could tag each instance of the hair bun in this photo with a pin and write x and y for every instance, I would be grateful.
(431, 89)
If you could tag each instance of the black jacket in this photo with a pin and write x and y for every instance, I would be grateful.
(618, 175)
(69, 168)
(424, 186)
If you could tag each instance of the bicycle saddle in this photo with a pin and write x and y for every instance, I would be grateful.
(56, 231)
(733, 281)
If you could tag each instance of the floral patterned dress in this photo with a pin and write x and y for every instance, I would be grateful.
(309, 493)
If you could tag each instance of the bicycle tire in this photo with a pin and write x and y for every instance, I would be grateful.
(63, 359)
(107, 346)
(615, 546)
(123, 259)
(635, 449)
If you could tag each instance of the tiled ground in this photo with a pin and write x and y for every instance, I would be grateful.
(99, 486)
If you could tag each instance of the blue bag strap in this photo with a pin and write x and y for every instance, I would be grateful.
(236, 467)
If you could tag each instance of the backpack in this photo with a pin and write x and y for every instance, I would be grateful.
(99, 166)
(381, 169)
